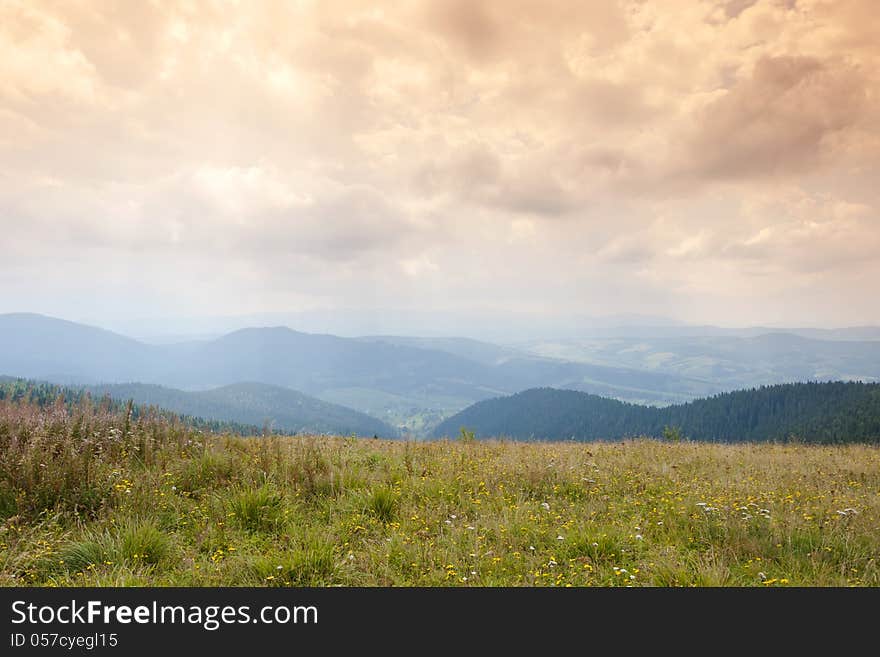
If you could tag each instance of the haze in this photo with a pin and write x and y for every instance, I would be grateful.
(711, 162)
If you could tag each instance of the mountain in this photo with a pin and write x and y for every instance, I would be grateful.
(812, 412)
(255, 403)
(45, 394)
(729, 362)
(241, 406)
(476, 350)
(672, 330)
(396, 379)
(489, 324)
(39, 347)
(413, 383)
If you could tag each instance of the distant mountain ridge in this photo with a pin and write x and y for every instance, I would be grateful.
(413, 383)
(364, 373)
(812, 412)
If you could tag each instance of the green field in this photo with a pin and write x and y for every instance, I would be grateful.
(90, 498)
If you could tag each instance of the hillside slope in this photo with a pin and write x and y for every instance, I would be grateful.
(813, 412)
(258, 404)
(245, 408)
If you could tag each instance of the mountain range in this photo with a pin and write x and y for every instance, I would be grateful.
(391, 378)
(411, 384)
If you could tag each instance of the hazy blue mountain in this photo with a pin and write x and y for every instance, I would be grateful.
(391, 378)
(35, 346)
(726, 361)
(257, 404)
(489, 325)
(812, 412)
(476, 350)
(669, 330)
(414, 382)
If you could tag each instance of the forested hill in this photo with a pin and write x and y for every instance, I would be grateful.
(45, 395)
(240, 408)
(832, 412)
(284, 410)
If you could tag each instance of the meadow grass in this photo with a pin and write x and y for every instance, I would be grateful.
(90, 499)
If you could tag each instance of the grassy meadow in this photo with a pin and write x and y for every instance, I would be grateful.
(89, 497)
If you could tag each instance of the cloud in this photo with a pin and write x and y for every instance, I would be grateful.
(798, 232)
(779, 121)
(549, 155)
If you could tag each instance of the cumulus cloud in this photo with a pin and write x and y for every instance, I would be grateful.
(780, 120)
(551, 155)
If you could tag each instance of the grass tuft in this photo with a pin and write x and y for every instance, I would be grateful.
(256, 509)
(383, 504)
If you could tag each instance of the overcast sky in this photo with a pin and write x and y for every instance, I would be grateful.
(708, 161)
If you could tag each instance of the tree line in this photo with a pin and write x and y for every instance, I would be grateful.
(816, 412)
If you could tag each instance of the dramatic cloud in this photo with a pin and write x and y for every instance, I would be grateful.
(714, 161)
(781, 120)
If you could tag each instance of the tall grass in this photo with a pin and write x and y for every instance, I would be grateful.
(91, 495)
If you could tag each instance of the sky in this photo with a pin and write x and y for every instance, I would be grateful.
(713, 162)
